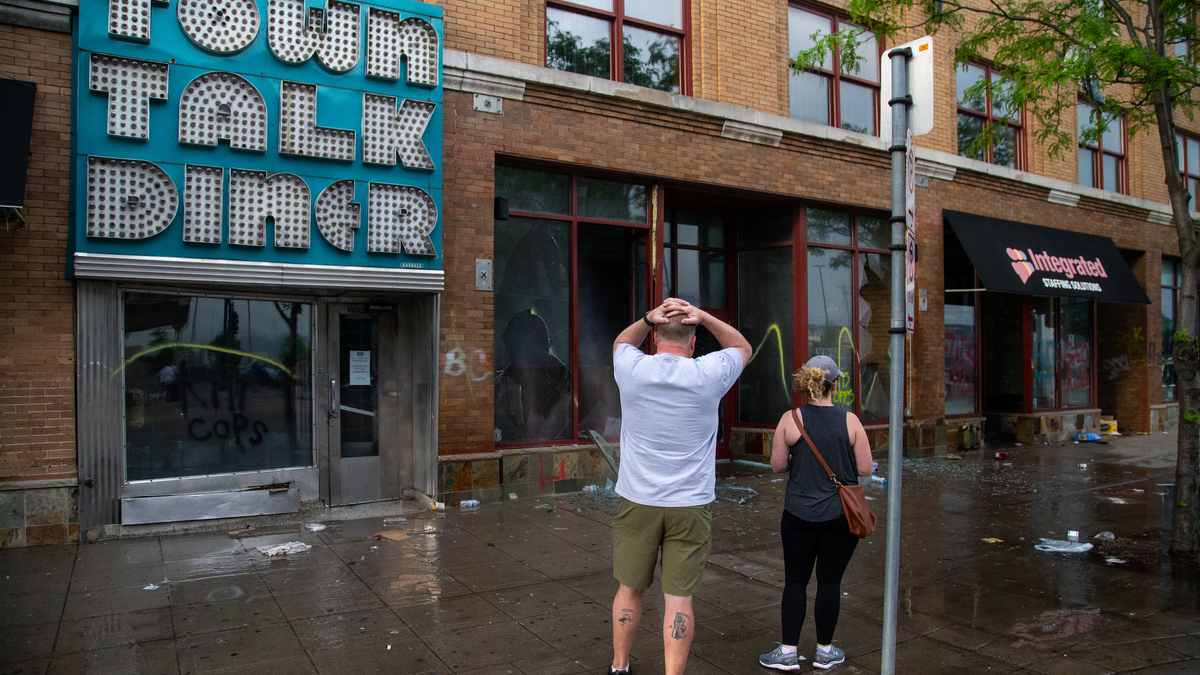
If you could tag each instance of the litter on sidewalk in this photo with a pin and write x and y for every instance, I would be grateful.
(1062, 546)
(284, 549)
(314, 527)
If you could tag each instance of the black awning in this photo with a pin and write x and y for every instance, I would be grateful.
(1019, 258)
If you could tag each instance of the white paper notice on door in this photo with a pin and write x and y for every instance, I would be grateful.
(360, 368)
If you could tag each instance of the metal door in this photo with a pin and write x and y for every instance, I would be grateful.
(363, 399)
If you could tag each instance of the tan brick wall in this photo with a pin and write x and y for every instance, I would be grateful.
(751, 39)
(37, 394)
(514, 30)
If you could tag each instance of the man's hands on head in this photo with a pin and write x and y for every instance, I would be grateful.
(672, 307)
(727, 336)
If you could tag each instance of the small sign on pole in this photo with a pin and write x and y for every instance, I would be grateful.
(920, 87)
(910, 230)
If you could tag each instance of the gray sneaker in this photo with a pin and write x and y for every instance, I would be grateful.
(827, 661)
(780, 661)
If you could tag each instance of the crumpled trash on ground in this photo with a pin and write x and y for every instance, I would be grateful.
(1063, 546)
(391, 535)
(1114, 561)
(314, 527)
(284, 549)
(1105, 536)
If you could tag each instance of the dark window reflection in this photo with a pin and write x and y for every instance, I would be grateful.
(1045, 352)
(1003, 378)
(830, 324)
(606, 276)
(610, 200)
(874, 232)
(534, 191)
(961, 330)
(762, 228)
(577, 43)
(969, 129)
(1170, 296)
(874, 318)
(215, 385)
(532, 333)
(829, 227)
(1075, 376)
(962, 368)
(651, 59)
(765, 312)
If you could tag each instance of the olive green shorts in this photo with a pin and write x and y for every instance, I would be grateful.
(683, 533)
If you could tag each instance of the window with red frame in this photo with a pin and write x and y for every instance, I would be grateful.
(640, 42)
(1102, 160)
(570, 273)
(1187, 148)
(839, 92)
(980, 103)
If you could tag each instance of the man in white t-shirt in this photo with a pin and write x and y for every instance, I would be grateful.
(667, 477)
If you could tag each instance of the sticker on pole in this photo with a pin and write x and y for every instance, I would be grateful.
(910, 183)
(920, 87)
(910, 277)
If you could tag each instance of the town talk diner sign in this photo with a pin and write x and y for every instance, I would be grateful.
(228, 129)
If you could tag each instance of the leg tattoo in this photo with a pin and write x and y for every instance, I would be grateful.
(626, 617)
(679, 628)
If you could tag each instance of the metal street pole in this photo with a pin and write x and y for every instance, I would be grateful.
(891, 583)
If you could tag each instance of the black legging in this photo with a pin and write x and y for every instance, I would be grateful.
(829, 546)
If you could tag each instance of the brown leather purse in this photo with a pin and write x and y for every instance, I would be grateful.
(854, 501)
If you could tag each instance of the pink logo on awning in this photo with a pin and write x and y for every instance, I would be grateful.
(1021, 264)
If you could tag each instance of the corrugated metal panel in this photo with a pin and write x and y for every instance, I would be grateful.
(208, 505)
(237, 272)
(99, 406)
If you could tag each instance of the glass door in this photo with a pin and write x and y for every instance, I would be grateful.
(695, 269)
(362, 404)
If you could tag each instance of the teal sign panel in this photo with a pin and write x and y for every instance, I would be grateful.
(279, 131)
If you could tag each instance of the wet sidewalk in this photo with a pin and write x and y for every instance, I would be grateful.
(525, 587)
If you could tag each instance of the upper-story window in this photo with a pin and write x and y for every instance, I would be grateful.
(1102, 161)
(649, 36)
(1187, 148)
(981, 107)
(840, 91)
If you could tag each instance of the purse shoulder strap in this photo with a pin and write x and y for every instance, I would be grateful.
(808, 439)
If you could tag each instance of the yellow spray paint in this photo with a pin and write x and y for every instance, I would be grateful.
(774, 328)
(223, 350)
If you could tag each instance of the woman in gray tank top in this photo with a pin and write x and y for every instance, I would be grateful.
(814, 528)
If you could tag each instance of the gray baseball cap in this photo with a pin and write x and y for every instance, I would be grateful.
(832, 374)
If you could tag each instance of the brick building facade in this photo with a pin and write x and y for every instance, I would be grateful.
(618, 195)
